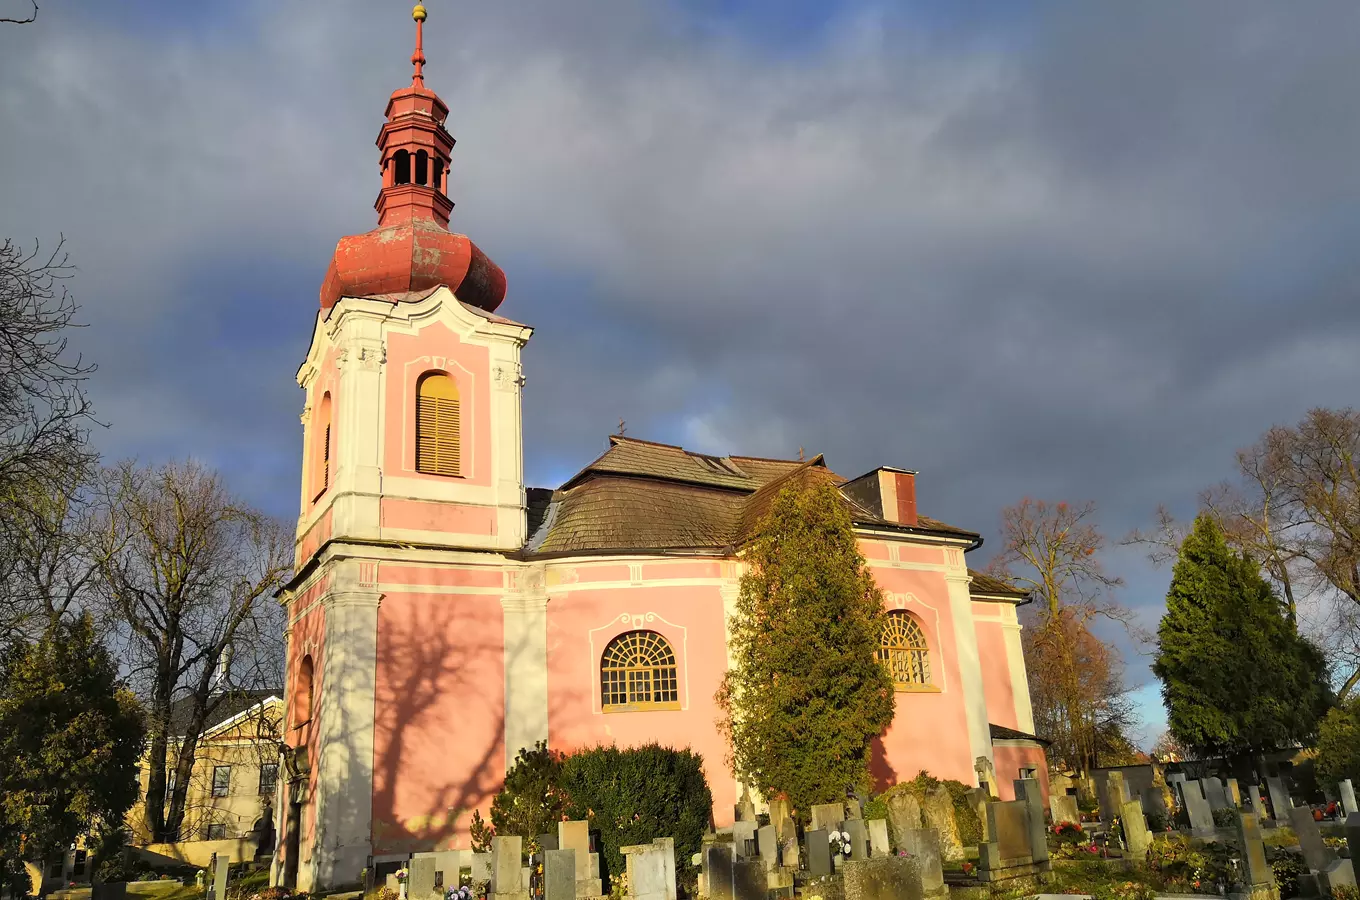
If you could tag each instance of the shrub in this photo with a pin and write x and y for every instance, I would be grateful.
(1287, 866)
(531, 802)
(1345, 892)
(638, 794)
(480, 832)
(1225, 818)
(1157, 821)
(1124, 890)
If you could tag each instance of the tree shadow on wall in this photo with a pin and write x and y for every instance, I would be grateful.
(884, 775)
(434, 702)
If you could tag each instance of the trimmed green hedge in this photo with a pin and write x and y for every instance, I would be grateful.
(632, 796)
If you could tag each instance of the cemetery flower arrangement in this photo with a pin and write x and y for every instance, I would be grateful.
(1069, 841)
(462, 892)
(968, 868)
(840, 842)
(1125, 890)
(402, 874)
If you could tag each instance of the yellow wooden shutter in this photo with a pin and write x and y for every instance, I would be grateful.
(438, 426)
(326, 460)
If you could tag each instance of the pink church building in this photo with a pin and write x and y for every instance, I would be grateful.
(444, 615)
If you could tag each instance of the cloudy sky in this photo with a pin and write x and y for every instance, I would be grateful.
(1071, 250)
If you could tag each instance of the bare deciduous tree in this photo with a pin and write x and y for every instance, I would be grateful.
(189, 571)
(30, 18)
(1076, 680)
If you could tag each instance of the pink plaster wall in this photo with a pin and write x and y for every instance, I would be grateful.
(580, 625)
(409, 356)
(1008, 762)
(308, 639)
(996, 673)
(431, 516)
(440, 714)
(929, 730)
(313, 540)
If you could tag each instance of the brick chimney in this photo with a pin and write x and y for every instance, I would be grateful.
(887, 492)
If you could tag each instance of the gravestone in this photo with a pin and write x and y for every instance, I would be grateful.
(108, 890)
(986, 773)
(392, 884)
(1029, 792)
(1215, 794)
(818, 851)
(1257, 876)
(219, 882)
(767, 842)
(859, 838)
(1315, 853)
(938, 813)
(1254, 804)
(647, 872)
(1010, 852)
(1234, 793)
(890, 878)
(780, 809)
(878, 838)
(667, 845)
(788, 845)
(853, 809)
(978, 798)
(575, 835)
(1136, 836)
(1063, 808)
(559, 875)
(1197, 809)
(828, 816)
(1341, 873)
(1347, 792)
(718, 862)
(507, 868)
(904, 813)
(743, 833)
(749, 880)
(420, 878)
(923, 847)
(746, 810)
(1111, 794)
(1279, 799)
(447, 865)
(1154, 803)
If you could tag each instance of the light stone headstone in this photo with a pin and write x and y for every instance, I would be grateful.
(481, 867)
(1279, 798)
(507, 866)
(818, 850)
(1030, 792)
(1315, 853)
(746, 810)
(1197, 808)
(1136, 835)
(1347, 792)
(767, 842)
(647, 872)
(904, 813)
(780, 808)
(1216, 794)
(1234, 793)
(1256, 872)
(447, 864)
(1254, 803)
(853, 809)
(1111, 794)
(559, 875)
(879, 844)
(1340, 873)
(718, 862)
(420, 877)
(219, 881)
(1063, 808)
(392, 884)
(923, 846)
(859, 838)
(938, 813)
(742, 834)
(828, 816)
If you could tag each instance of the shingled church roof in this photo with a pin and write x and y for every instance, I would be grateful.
(641, 496)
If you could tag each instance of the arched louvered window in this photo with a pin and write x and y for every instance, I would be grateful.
(638, 671)
(904, 651)
(321, 451)
(303, 693)
(438, 426)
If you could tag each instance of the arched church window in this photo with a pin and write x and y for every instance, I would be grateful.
(303, 694)
(437, 181)
(438, 424)
(638, 672)
(904, 651)
(422, 167)
(402, 158)
(321, 469)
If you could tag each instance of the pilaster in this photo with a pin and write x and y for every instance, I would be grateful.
(970, 664)
(525, 613)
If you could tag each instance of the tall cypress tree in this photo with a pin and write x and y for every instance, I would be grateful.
(1237, 677)
(806, 694)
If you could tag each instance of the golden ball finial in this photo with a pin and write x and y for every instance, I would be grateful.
(419, 12)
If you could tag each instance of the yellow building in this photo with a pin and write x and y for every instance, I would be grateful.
(229, 808)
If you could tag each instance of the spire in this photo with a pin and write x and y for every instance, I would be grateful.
(418, 58)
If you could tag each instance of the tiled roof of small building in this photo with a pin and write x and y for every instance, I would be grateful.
(995, 587)
(1002, 733)
(644, 496)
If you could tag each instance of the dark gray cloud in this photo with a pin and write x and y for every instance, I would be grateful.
(1083, 253)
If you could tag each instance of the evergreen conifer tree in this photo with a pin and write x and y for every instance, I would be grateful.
(1237, 677)
(806, 694)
